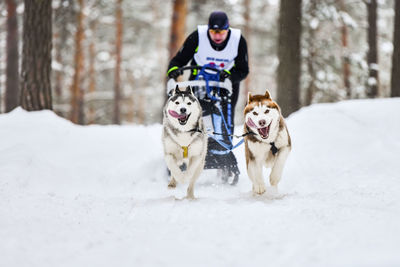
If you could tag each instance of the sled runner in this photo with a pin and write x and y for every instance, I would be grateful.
(215, 100)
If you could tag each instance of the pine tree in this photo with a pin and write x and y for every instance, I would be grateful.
(36, 56)
(372, 58)
(395, 83)
(177, 26)
(289, 56)
(12, 79)
(118, 49)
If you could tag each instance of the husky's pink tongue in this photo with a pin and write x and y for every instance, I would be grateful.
(176, 114)
(251, 123)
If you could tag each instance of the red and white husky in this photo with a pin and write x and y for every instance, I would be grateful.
(268, 142)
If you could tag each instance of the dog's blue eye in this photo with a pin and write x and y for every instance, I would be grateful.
(177, 102)
(266, 111)
(189, 103)
(255, 113)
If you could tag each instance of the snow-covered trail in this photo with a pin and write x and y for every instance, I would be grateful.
(97, 196)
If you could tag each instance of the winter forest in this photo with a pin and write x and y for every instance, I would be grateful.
(107, 60)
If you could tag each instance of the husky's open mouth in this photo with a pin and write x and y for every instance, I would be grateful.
(182, 118)
(264, 132)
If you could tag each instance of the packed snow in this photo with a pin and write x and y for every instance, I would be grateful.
(97, 196)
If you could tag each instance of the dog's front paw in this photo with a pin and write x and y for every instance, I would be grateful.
(259, 188)
(172, 183)
(190, 196)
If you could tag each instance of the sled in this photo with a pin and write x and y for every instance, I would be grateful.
(215, 100)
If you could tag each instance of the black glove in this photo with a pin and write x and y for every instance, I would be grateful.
(224, 75)
(174, 73)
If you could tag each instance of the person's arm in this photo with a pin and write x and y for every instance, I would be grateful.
(241, 68)
(186, 53)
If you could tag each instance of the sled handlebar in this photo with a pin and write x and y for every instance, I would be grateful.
(226, 85)
(198, 68)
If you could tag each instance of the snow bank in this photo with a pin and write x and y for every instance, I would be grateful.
(97, 196)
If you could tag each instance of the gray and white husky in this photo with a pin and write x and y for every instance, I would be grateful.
(184, 138)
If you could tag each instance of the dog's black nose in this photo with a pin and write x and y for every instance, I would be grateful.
(262, 123)
(183, 110)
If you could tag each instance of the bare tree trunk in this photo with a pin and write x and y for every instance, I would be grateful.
(395, 82)
(177, 26)
(373, 81)
(310, 60)
(346, 62)
(92, 71)
(346, 59)
(59, 75)
(62, 18)
(157, 16)
(140, 104)
(289, 56)
(177, 36)
(160, 44)
(12, 76)
(247, 32)
(36, 56)
(117, 78)
(130, 116)
(76, 88)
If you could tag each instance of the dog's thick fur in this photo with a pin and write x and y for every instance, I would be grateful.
(184, 140)
(268, 142)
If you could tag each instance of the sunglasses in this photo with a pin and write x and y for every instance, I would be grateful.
(218, 31)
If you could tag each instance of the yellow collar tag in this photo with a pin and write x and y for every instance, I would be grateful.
(185, 151)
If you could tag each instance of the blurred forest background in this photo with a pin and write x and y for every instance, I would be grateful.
(108, 58)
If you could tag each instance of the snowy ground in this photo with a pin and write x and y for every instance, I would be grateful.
(97, 196)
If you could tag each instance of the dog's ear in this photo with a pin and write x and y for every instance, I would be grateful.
(176, 90)
(267, 94)
(190, 90)
(249, 97)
